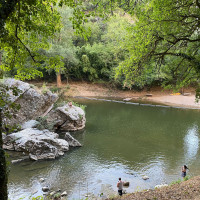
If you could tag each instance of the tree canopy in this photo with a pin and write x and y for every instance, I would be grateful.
(164, 39)
(26, 27)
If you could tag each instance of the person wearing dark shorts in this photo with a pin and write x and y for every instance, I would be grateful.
(183, 171)
(120, 186)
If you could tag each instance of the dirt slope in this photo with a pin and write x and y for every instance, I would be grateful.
(187, 190)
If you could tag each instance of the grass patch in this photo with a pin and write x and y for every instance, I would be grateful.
(180, 180)
(43, 124)
(55, 89)
(79, 105)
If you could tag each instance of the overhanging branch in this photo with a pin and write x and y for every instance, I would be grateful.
(16, 35)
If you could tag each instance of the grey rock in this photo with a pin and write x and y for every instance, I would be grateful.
(160, 186)
(29, 124)
(11, 82)
(127, 99)
(72, 142)
(34, 192)
(67, 118)
(145, 177)
(45, 189)
(33, 103)
(42, 180)
(16, 161)
(52, 193)
(186, 94)
(64, 194)
(39, 144)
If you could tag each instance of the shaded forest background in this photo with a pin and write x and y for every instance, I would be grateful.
(107, 52)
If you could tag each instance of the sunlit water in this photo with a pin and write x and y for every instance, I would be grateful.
(120, 140)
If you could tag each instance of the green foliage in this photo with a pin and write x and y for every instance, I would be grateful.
(180, 180)
(83, 107)
(186, 178)
(43, 124)
(28, 29)
(44, 88)
(33, 198)
(176, 182)
(37, 198)
(164, 41)
(131, 43)
(102, 52)
(62, 44)
(55, 89)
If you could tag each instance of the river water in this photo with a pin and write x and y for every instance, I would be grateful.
(120, 140)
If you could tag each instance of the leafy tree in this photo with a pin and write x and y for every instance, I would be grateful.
(165, 38)
(22, 36)
(26, 27)
(62, 45)
(103, 50)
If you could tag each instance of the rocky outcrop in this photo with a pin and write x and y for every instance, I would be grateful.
(37, 105)
(72, 142)
(70, 118)
(32, 102)
(38, 144)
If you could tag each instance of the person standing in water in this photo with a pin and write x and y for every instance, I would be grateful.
(120, 186)
(184, 169)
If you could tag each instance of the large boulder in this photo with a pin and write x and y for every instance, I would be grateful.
(68, 118)
(33, 102)
(38, 144)
(13, 83)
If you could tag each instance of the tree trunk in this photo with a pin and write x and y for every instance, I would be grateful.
(3, 171)
(59, 82)
(1, 71)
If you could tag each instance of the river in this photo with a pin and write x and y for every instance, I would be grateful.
(120, 140)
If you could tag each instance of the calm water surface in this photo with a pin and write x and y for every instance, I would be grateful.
(120, 140)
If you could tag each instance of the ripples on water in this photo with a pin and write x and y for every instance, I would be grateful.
(120, 140)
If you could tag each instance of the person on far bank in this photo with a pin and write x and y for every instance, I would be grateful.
(184, 169)
(120, 186)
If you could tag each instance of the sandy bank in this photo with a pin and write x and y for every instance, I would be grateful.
(157, 94)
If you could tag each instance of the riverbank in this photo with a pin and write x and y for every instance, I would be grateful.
(155, 94)
(186, 190)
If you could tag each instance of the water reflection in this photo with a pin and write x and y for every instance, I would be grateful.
(191, 144)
